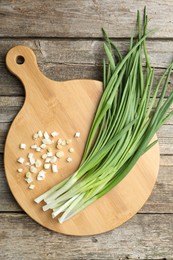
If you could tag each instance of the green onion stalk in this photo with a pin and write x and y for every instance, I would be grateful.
(122, 129)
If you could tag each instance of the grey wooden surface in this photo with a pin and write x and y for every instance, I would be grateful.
(66, 37)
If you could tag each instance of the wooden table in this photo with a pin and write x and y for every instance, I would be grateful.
(66, 37)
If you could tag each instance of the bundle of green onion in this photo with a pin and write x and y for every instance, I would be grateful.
(121, 131)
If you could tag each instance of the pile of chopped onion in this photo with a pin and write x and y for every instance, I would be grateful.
(46, 151)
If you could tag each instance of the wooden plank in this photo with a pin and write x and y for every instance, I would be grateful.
(162, 193)
(71, 19)
(165, 137)
(86, 51)
(9, 107)
(143, 237)
(64, 60)
(159, 202)
(166, 160)
(7, 202)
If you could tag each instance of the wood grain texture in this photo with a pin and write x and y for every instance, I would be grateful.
(146, 236)
(68, 18)
(143, 237)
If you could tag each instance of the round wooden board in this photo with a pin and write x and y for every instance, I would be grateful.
(68, 107)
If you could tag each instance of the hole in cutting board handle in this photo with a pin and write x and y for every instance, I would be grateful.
(22, 62)
(20, 59)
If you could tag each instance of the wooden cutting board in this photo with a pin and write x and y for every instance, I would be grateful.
(68, 107)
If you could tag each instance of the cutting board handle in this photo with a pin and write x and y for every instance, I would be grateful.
(22, 62)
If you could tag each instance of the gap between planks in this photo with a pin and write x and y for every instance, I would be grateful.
(71, 38)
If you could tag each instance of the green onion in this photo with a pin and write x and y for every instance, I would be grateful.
(123, 127)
